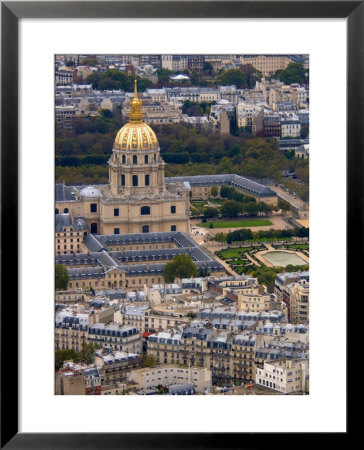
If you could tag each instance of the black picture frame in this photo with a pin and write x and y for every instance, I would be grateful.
(11, 12)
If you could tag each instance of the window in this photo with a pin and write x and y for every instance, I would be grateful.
(145, 229)
(173, 228)
(146, 159)
(123, 180)
(123, 159)
(147, 180)
(116, 230)
(93, 207)
(135, 180)
(116, 212)
(57, 211)
(173, 209)
(94, 228)
(65, 210)
(145, 210)
(135, 159)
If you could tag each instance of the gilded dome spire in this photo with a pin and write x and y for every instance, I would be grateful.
(136, 134)
(136, 114)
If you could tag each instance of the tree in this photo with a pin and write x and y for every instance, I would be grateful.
(253, 75)
(106, 114)
(231, 208)
(148, 360)
(88, 351)
(251, 208)
(164, 75)
(210, 212)
(214, 191)
(207, 68)
(64, 355)
(264, 208)
(181, 266)
(284, 206)
(233, 76)
(62, 277)
(293, 73)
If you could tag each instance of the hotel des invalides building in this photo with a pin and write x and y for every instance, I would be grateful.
(137, 199)
(107, 235)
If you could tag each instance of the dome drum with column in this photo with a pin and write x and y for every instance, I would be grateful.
(135, 165)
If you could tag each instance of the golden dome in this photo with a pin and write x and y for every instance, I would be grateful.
(136, 134)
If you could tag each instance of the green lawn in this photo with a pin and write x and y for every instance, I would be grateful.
(238, 223)
(233, 252)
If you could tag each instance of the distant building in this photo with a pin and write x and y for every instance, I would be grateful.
(169, 375)
(77, 379)
(267, 64)
(65, 116)
(298, 295)
(114, 367)
(250, 116)
(272, 125)
(64, 75)
(116, 337)
(287, 377)
(290, 128)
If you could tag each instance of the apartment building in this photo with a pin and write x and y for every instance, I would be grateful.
(116, 337)
(298, 295)
(78, 379)
(65, 116)
(72, 328)
(230, 359)
(267, 64)
(170, 374)
(114, 366)
(287, 377)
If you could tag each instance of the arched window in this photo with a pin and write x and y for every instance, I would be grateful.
(146, 159)
(135, 159)
(65, 211)
(135, 180)
(145, 229)
(145, 210)
(57, 211)
(94, 228)
(147, 180)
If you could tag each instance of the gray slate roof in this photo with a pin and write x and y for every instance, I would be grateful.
(239, 182)
(101, 258)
